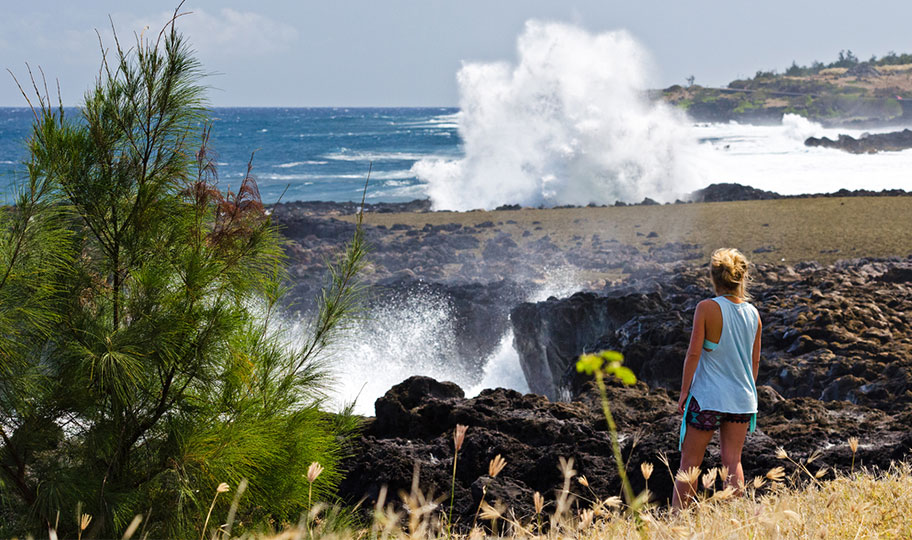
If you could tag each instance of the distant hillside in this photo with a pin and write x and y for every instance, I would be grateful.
(847, 91)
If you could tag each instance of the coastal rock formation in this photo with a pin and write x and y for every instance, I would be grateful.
(839, 332)
(837, 354)
(413, 431)
(731, 192)
(550, 335)
(867, 143)
(836, 363)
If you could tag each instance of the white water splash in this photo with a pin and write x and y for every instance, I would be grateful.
(415, 336)
(774, 158)
(409, 336)
(569, 124)
(502, 369)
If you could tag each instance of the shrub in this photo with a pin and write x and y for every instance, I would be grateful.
(143, 363)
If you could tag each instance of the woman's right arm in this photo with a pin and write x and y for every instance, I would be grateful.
(694, 350)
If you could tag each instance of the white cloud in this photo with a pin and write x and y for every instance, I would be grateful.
(228, 32)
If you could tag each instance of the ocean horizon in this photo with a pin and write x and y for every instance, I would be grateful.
(325, 153)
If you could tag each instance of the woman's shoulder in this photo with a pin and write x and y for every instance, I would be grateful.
(709, 306)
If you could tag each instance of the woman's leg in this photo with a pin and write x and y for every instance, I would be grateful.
(731, 440)
(692, 450)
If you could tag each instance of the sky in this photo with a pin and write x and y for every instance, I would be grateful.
(317, 53)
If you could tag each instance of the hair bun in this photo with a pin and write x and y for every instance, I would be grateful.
(729, 268)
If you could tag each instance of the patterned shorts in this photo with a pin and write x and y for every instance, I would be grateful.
(711, 420)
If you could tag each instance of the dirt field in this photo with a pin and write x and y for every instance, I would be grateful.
(788, 230)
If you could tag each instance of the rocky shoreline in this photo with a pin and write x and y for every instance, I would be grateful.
(837, 344)
(866, 144)
(836, 363)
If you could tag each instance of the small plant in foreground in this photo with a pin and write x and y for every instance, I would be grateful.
(313, 472)
(494, 467)
(458, 438)
(853, 446)
(609, 363)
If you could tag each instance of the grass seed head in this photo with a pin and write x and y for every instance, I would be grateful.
(689, 476)
(490, 512)
(586, 517)
(84, 521)
(821, 473)
(709, 479)
(723, 473)
(222, 488)
(813, 457)
(776, 474)
(646, 470)
(781, 453)
(759, 482)
(583, 481)
(853, 444)
(313, 472)
(496, 465)
(539, 502)
(723, 494)
(459, 436)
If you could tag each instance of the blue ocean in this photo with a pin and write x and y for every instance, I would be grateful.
(301, 153)
(485, 157)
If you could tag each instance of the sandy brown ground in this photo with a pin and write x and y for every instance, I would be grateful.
(784, 231)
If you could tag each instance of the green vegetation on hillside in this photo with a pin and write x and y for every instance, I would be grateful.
(143, 360)
(845, 90)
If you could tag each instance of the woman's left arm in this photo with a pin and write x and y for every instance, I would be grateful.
(693, 353)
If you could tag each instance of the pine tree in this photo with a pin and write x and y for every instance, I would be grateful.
(142, 360)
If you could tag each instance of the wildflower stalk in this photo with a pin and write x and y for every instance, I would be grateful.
(458, 438)
(853, 446)
(599, 365)
(592, 364)
(222, 488)
(313, 472)
(615, 443)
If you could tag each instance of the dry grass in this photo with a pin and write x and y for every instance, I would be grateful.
(816, 229)
(862, 505)
(894, 69)
(832, 71)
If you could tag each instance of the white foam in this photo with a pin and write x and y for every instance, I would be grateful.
(569, 124)
(375, 175)
(774, 158)
(291, 164)
(414, 336)
(350, 155)
(502, 369)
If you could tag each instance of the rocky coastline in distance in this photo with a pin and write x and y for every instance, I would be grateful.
(872, 143)
(837, 344)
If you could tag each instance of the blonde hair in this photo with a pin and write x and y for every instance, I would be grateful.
(728, 268)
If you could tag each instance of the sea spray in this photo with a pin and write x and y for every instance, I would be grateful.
(570, 123)
(416, 334)
(405, 336)
(502, 368)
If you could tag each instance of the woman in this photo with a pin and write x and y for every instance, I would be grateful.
(718, 388)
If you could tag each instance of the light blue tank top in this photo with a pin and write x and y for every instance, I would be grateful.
(724, 378)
